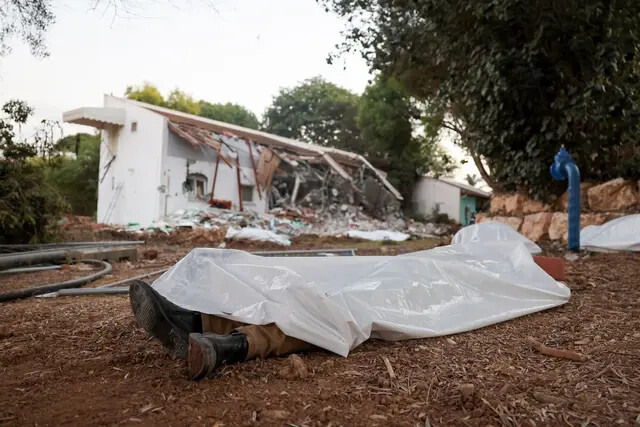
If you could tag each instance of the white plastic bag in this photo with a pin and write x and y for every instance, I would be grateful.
(621, 234)
(257, 235)
(378, 235)
(338, 302)
(493, 232)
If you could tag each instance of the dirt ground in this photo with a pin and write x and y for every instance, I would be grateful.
(84, 361)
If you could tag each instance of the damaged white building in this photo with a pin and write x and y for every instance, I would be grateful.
(155, 161)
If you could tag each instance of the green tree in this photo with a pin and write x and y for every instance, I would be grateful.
(181, 101)
(515, 79)
(27, 20)
(29, 205)
(229, 113)
(387, 118)
(145, 93)
(316, 111)
(76, 177)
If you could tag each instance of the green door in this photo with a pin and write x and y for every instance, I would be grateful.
(467, 209)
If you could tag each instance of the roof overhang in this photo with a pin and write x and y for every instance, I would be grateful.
(467, 190)
(97, 117)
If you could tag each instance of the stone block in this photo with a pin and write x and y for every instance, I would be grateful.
(513, 221)
(514, 202)
(497, 203)
(563, 201)
(613, 195)
(531, 206)
(482, 217)
(559, 225)
(559, 228)
(536, 226)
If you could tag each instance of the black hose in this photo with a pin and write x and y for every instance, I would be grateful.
(33, 257)
(73, 283)
(11, 248)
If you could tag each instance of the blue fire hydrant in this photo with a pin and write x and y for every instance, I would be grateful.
(563, 168)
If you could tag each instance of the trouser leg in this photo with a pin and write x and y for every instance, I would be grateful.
(263, 340)
(270, 341)
(218, 325)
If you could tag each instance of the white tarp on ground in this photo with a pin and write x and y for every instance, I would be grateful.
(621, 234)
(493, 232)
(378, 235)
(256, 235)
(338, 302)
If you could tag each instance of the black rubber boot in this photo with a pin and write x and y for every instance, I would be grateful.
(209, 351)
(163, 320)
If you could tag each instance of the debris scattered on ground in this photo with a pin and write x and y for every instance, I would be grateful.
(555, 352)
(209, 225)
(256, 235)
(92, 344)
(378, 235)
(547, 398)
(274, 414)
(571, 256)
(387, 364)
(467, 390)
(295, 369)
(4, 332)
(150, 254)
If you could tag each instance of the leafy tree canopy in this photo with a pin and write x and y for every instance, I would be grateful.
(381, 124)
(147, 93)
(181, 101)
(229, 113)
(316, 111)
(515, 79)
(387, 118)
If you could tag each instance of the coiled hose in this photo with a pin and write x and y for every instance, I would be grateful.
(54, 287)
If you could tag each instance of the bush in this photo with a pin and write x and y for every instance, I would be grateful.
(29, 206)
(76, 179)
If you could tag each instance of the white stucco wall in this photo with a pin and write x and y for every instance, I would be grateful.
(174, 174)
(145, 180)
(128, 191)
(429, 192)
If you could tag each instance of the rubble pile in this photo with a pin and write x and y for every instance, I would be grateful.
(211, 225)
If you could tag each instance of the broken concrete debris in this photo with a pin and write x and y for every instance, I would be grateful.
(212, 225)
(256, 235)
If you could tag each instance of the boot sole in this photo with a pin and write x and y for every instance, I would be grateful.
(151, 317)
(202, 358)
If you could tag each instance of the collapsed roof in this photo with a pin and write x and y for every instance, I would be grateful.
(221, 137)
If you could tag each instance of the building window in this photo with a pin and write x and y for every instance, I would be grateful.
(134, 126)
(247, 193)
(197, 185)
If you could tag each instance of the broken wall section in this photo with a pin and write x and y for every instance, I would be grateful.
(314, 184)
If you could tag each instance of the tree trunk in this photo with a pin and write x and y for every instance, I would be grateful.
(483, 172)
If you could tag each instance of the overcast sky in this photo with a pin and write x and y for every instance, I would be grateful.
(239, 51)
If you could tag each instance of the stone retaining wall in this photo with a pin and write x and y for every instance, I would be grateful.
(538, 221)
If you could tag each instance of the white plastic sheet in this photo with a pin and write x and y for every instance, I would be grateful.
(256, 234)
(493, 232)
(338, 302)
(621, 234)
(378, 235)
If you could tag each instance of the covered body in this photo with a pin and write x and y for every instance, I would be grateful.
(339, 302)
(620, 234)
